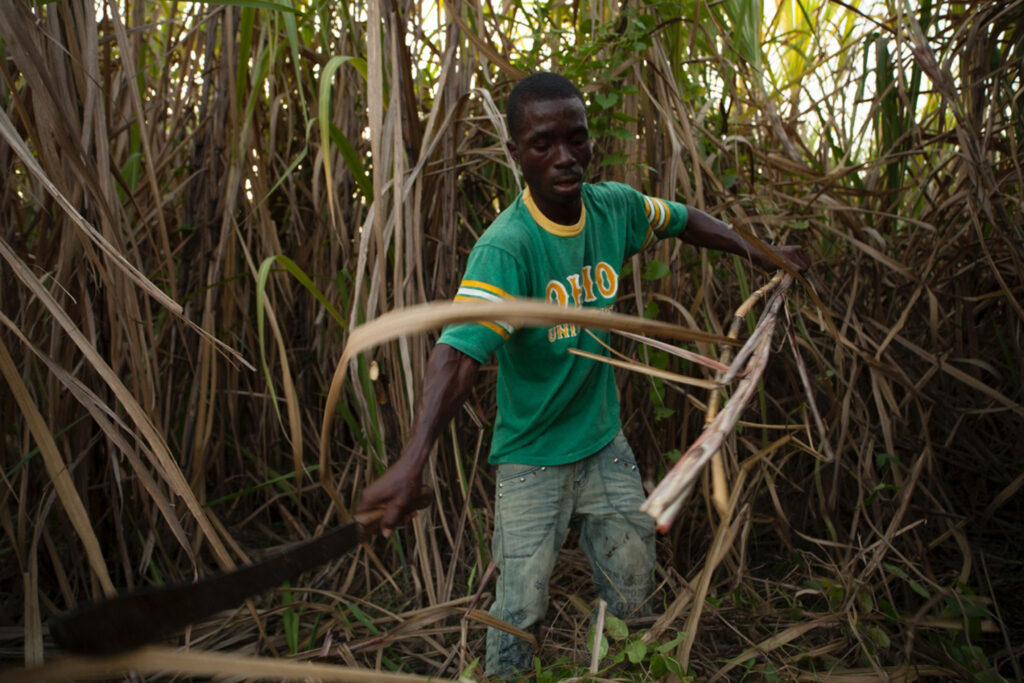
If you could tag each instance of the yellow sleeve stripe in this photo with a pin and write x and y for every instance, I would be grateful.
(468, 294)
(494, 327)
(651, 210)
(650, 237)
(658, 213)
(501, 327)
(486, 286)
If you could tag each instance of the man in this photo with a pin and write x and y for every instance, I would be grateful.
(557, 443)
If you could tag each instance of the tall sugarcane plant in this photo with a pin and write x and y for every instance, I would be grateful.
(202, 203)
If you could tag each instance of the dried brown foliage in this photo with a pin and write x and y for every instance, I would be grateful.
(163, 393)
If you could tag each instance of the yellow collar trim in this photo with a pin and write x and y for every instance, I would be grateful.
(549, 225)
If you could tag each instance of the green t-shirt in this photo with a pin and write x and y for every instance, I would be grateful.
(555, 407)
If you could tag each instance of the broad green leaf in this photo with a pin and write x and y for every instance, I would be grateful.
(636, 650)
(879, 636)
(354, 164)
(291, 28)
(615, 627)
(324, 117)
(615, 158)
(745, 17)
(919, 589)
(655, 270)
(261, 286)
(606, 101)
(658, 667)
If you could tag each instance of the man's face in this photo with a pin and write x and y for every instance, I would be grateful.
(553, 149)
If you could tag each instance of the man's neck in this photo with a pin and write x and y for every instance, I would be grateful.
(569, 215)
(552, 225)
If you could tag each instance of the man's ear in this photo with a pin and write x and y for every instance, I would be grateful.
(513, 151)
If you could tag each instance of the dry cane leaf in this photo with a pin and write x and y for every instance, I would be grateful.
(57, 469)
(162, 660)
(431, 316)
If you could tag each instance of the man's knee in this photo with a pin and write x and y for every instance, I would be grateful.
(624, 572)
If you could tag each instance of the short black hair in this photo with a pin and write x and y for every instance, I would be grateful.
(543, 85)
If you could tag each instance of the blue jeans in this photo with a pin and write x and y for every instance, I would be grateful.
(533, 509)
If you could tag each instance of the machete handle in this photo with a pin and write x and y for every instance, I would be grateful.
(369, 521)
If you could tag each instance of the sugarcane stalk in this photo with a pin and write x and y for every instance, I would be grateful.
(719, 485)
(736, 366)
(660, 503)
(663, 503)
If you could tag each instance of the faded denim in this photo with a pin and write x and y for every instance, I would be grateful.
(534, 506)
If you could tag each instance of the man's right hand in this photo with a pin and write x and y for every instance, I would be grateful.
(397, 491)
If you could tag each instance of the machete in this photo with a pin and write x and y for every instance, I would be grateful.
(132, 619)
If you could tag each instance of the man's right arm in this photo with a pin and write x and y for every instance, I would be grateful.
(446, 384)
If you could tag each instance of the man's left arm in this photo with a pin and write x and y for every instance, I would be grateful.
(704, 231)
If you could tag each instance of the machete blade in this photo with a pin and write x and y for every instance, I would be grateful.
(133, 619)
